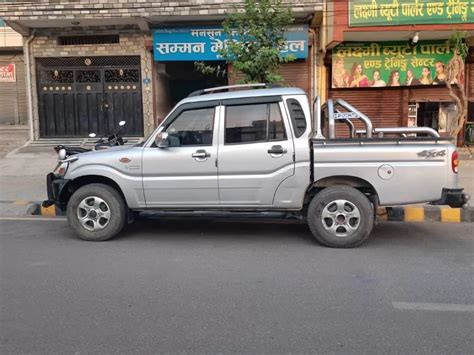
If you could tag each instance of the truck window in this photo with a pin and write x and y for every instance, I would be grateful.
(298, 119)
(254, 123)
(192, 127)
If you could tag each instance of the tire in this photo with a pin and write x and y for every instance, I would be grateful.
(340, 217)
(109, 217)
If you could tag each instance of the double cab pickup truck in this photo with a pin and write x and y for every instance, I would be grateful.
(256, 149)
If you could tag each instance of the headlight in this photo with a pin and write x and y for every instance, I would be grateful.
(63, 169)
(62, 154)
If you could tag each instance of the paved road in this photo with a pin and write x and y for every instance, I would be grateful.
(227, 287)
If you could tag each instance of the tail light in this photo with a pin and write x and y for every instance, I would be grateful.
(455, 162)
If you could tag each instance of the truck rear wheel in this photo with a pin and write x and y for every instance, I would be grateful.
(96, 212)
(340, 217)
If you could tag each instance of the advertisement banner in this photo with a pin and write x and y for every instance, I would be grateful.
(7, 73)
(411, 12)
(202, 43)
(358, 65)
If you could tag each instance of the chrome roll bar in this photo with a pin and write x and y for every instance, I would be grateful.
(403, 131)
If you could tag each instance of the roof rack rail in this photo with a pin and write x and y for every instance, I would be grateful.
(229, 87)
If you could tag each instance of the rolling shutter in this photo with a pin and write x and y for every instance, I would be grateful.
(383, 106)
(297, 74)
(470, 81)
(13, 94)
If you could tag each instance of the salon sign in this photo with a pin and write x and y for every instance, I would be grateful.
(358, 65)
(203, 43)
(409, 12)
(7, 73)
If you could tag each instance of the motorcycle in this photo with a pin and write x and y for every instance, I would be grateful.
(115, 139)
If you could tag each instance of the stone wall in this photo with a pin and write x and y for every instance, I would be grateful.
(132, 43)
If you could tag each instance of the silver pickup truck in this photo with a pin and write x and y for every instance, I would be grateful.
(237, 151)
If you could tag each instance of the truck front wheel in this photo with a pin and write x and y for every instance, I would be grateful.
(96, 212)
(340, 217)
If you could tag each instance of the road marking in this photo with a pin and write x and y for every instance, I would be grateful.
(32, 219)
(442, 307)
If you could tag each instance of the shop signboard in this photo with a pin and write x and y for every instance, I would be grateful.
(409, 12)
(358, 65)
(7, 73)
(202, 43)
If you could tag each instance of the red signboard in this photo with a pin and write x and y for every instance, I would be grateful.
(7, 73)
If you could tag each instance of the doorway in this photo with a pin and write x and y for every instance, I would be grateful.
(176, 80)
(80, 95)
(437, 115)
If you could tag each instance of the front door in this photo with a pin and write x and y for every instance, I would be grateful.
(81, 95)
(185, 173)
(255, 154)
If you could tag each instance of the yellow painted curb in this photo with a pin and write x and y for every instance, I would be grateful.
(48, 211)
(382, 214)
(414, 214)
(450, 215)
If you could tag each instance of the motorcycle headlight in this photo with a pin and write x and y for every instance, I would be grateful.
(62, 154)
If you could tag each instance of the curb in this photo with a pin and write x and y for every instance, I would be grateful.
(37, 209)
(428, 213)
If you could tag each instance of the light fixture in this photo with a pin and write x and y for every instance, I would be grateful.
(75, 23)
(415, 38)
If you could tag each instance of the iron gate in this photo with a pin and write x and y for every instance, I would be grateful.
(80, 95)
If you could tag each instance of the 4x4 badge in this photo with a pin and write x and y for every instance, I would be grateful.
(432, 153)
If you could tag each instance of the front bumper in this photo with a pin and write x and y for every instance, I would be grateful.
(453, 198)
(54, 186)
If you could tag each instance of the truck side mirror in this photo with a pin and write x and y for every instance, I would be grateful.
(161, 140)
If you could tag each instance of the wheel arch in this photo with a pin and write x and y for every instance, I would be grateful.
(81, 181)
(356, 182)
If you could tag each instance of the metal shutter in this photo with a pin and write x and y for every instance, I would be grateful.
(384, 107)
(297, 74)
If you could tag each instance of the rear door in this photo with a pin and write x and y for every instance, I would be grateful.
(255, 152)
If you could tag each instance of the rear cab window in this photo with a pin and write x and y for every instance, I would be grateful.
(297, 117)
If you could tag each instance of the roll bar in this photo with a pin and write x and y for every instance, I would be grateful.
(349, 114)
(403, 131)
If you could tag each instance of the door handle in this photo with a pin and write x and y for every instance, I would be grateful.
(201, 154)
(277, 149)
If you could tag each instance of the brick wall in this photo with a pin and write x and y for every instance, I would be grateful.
(45, 45)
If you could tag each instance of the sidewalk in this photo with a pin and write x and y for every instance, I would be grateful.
(23, 178)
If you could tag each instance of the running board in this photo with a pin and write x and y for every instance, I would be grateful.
(240, 215)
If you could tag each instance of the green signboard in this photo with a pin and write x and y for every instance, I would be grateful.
(358, 65)
(409, 12)
(2, 23)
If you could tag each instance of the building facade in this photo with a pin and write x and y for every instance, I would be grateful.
(389, 59)
(13, 107)
(92, 63)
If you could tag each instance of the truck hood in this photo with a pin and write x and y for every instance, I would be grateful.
(121, 159)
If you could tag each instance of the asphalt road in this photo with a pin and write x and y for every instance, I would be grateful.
(181, 286)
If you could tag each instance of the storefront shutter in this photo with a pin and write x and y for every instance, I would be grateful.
(470, 81)
(297, 74)
(13, 95)
(383, 106)
(429, 94)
